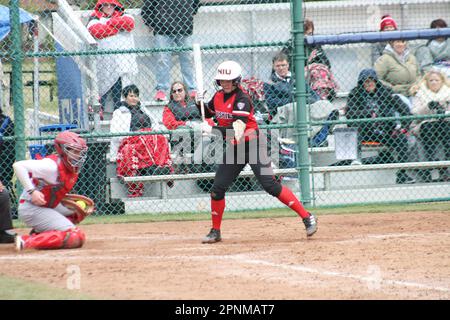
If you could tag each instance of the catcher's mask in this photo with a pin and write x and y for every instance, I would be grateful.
(72, 149)
(228, 70)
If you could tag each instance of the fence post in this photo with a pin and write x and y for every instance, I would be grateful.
(16, 82)
(300, 100)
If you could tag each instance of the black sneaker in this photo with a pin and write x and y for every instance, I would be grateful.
(310, 225)
(212, 237)
(7, 236)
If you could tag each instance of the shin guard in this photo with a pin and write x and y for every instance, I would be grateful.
(69, 239)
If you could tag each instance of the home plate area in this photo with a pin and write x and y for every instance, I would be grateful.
(354, 256)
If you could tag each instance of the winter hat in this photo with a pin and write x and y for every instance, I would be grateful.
(387, 20)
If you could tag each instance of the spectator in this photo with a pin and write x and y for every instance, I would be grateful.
(172, 22)
(397, 68)
(433, 97)
(279, 95)
(112, 29)
(436, 52)
(181, 111)
(387, 24)
(140, 154)
(370, 99)
(7, 150)
(317, 67)
(6, 235)
(279, 91)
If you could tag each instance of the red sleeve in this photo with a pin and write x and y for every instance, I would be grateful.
(169, 120)
(121, 23)
(100, 30)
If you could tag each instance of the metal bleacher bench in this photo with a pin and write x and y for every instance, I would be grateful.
(326, 171)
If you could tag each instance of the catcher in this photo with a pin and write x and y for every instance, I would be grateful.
(45, 204)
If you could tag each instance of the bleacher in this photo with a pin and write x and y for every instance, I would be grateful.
(332, 184)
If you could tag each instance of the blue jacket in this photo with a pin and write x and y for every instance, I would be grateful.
(280, 92)
(380, 103)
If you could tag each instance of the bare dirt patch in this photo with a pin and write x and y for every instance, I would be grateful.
(358, 256)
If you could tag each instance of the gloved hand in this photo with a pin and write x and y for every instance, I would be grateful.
(239, 128)
(200, 96)
(205, 127)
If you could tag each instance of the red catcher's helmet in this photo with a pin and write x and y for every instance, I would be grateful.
(72, 149)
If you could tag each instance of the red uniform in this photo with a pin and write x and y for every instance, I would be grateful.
(227, 108)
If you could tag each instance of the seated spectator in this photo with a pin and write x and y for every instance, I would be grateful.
(279, 95)
(387, 24)
(436, 52)
(181, 109)
(370, 99)
(141, 154)
(317, 67)
(279, 91)
(397, 68)
(182, 112)
(112, 29)
(433, 97)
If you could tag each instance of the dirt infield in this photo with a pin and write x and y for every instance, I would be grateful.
(358, 256)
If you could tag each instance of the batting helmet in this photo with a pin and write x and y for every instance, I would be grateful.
(72, 149)
(229, 70)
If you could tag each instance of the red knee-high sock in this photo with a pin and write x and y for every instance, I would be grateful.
(288, 198)
(217, 208)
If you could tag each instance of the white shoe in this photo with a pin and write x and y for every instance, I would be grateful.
(356, 162)
(19, 244)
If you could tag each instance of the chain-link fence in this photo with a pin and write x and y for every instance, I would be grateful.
(368, 120)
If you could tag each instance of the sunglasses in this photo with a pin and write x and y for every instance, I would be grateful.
(177, 90)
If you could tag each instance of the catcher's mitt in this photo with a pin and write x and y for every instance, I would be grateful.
(80, 205)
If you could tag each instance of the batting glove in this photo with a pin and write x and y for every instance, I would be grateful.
(206, 128)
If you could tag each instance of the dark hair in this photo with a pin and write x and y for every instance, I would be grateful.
(280, 57)
(438, 23)
(130, 89)
(186, 97)
(308, 24)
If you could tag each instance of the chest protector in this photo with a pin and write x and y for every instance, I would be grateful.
(53, 193)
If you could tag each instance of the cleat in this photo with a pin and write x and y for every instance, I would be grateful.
(160, 96)
(212, 237)
(19, 243)
(310, 225)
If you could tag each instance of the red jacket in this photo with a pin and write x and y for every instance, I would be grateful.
(117, 22)
(171, 123)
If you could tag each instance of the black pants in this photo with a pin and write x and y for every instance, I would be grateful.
(433, 135)
(253, 152)
(5, 211)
